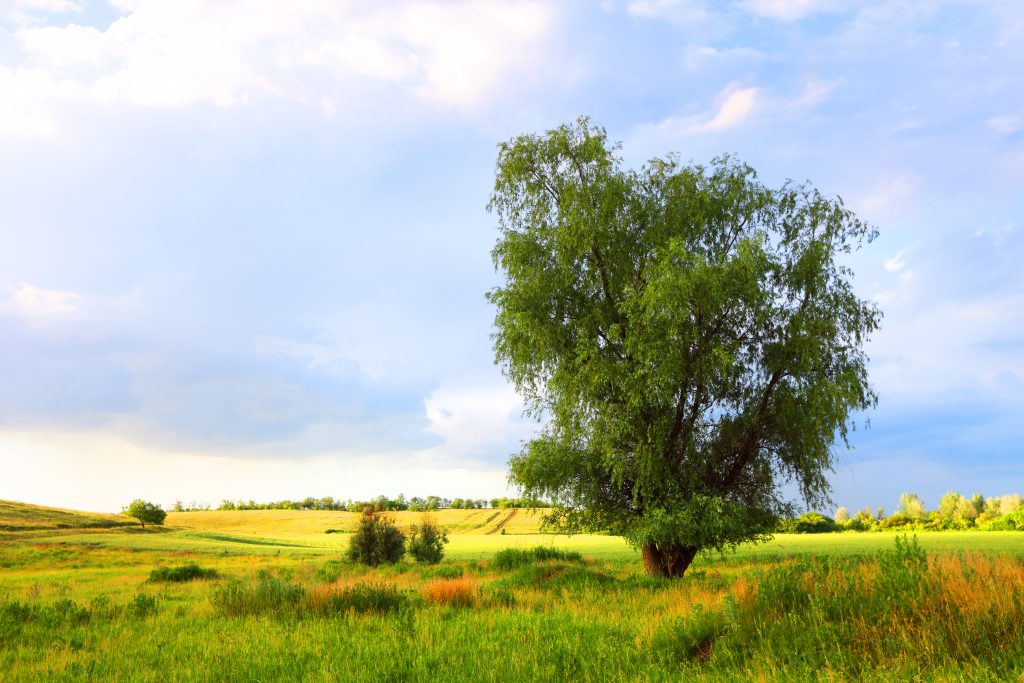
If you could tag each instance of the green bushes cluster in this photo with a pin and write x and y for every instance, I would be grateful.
(186, 572)
(1011, 522)
(513, 558)
(955, 512)
(808, 523)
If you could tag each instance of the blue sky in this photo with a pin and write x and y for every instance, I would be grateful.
(244, 244)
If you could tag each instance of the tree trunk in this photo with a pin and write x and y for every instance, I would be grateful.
(668, 561)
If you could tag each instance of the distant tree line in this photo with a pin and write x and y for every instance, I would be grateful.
(955, 511)
(378, 504)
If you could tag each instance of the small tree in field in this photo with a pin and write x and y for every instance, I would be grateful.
(376, 541)
(145, 512)
(427, 540)
(691, 337)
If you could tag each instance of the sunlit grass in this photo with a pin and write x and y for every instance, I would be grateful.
(796, 608)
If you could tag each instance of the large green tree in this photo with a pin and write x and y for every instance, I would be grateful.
(145, 511)
(689, 337)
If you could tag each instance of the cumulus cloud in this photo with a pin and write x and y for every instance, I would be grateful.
(176, 53)
(479, 421)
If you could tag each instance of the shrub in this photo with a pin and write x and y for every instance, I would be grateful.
(142, 605)
(896, 521)
(267, 593)
(376, 541)
(361, 598)
(1011, 522)
(187, 572)
(815, 523)
(454, 592)
(512, 558)
(329, 572)
(427, 540)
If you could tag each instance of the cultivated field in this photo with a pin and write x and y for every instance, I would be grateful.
(81, 604)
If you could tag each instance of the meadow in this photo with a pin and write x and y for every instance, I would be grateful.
(267, 595)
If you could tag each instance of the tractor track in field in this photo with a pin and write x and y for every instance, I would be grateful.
(500, 525)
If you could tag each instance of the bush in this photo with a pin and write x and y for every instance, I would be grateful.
(187, 572)
(267, 593)
(1011, 522)
(376, 541)
(512, 558)
(427, 540)
(141, 606)
(361, 598)
(815, 523)
(896, 521)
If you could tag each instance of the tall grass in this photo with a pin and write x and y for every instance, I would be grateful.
(905, 614)
(512, 558)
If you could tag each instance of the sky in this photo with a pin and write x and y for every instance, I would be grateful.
(244, 245)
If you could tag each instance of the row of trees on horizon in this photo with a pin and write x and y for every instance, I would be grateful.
(378, 504)
(955, 511)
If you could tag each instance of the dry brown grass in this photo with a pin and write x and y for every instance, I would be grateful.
(463, 592)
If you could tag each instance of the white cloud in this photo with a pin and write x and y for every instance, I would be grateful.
(94, 475)
(788, 10)
(667, 9)
(698, 56)
(887, 198)
(175, 53)
(474, 420)
(1005, 124)
(733, 106)
(27, 12)
(895, 264)
(39, 306)
(815, 92)
(998, 234)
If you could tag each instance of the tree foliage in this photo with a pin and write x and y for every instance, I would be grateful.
(690, 337)
(377, 540)
(427, 540)
(145, 511)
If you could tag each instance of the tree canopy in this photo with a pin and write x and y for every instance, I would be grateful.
(690, 338)
(146, 512)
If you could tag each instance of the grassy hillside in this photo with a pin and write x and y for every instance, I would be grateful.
(290, 522)
(279, 602)
(26, 517)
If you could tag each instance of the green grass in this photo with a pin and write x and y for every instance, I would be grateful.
(81, 605)
(25, 517)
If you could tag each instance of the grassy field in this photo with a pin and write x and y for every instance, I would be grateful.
(79, 604)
